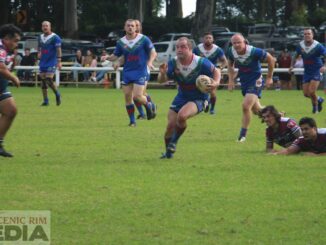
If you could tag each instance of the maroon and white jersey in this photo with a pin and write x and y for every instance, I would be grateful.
(7, 59)
(317, 146)
(287, 132)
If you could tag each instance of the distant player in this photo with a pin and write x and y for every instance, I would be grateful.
(139, 54)
(50, 59)
(312, 141)
(185, 68)
(280, 130)
(9, 37)
(139, 105)
(248, 60)
(216, 55)
(312, 52)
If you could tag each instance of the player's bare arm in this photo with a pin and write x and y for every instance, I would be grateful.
(5, 73)
(293, 61)
(288, 151)
(215, 80)
(223, 62)
(271, 64)
(323, 68)
(231, 75)
(59, 55)
(152, 57)
(112, 57)
(162, 76)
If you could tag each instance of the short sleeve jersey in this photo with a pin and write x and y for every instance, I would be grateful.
(48, 46)
(285, 134)
(7, 60)
(214, 54)
(136, 53)
(318, 146)
(186, 76)
(312, 56)
(249, 63)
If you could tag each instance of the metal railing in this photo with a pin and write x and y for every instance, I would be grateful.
(117, 73)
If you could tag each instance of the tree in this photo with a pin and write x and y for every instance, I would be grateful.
(174, 9)
(203, 18)
(4, 11)
(70, 18)
(135, 10)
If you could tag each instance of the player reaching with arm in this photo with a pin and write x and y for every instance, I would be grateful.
(248, 61)
(280, 130)
(9, 37)
(312, 52)
(312, 142)
(189, 101)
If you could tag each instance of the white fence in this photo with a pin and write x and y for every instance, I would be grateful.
(118, 72)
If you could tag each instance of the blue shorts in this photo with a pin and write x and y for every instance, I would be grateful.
(179, 102)
(308, 77)
(140, 81)
(5, 95)
(48, 69)
(252, 88)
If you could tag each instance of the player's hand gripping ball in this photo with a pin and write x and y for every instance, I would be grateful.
(202, 83)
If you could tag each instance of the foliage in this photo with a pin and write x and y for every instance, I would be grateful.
(105, 184)
(299, 17)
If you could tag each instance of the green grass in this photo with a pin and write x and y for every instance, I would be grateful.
(105, 184)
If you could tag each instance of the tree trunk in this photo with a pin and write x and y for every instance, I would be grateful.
(4, 11)
(203, 18)
(262, 9)
(70, 18)
(272, 13)
(174, 9)
(322, 3)
(135, 10)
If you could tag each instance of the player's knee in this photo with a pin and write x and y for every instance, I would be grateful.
(306, 94)
(246, 107)
(169, 128)
(182, 117)
(137, 97)
(11, 112)
(44, 85)
(48, 81)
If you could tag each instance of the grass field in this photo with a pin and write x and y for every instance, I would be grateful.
(105, 184)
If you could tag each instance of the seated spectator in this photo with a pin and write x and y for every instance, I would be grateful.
(79, 60)
(87, 63)
(280, 130)
(93, 64)
(104, 63)
(312, 143)
(27, 60)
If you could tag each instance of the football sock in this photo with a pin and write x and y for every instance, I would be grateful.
(177, 134)
(212, 102)
(131, 112)
(139, 107)
(1, 142)
(243, 132)
(167, 141)
(149, 99)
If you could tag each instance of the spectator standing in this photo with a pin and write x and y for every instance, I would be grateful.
(284, 61)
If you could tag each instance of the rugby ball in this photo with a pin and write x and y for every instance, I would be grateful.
(202, 81)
